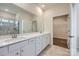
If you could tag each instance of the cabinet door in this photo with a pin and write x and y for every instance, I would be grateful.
(31, 47)
(43, 42)
(25, 49)
(15, 52)
(38, 45)
(48, 38)
(4, 51)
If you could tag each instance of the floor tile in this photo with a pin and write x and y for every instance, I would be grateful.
(55, 51)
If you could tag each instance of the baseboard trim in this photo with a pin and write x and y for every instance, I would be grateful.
(60, 42)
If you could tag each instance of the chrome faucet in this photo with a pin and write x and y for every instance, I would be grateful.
(14, 34)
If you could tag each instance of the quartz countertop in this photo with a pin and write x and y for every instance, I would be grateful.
(20, 37)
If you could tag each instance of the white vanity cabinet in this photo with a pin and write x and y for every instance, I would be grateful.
(15, 49)
(38, 45)
(28, 47)
(41, 42)
(4, 51)
(47, 39)
(44, 41)
(15, 52)
(31, 47)
(24, 50)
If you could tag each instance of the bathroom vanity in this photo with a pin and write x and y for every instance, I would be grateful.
(25, 44)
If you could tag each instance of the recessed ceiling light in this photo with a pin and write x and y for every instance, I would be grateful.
(43, 6)
(6, 10)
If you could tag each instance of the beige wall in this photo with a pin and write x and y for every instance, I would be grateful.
(60, 27)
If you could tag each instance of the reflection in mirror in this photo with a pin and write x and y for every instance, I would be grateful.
(7, 23)
(15, 20)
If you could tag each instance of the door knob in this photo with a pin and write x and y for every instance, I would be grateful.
(71, 36)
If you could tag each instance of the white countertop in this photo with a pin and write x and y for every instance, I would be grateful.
(20, 37)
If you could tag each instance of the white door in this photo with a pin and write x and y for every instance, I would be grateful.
(73, 30)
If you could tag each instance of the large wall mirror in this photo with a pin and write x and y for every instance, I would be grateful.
(16, 20)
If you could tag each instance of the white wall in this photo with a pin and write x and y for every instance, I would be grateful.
(49, 14)
(60, 27)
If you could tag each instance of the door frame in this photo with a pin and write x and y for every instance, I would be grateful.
(63, 15)
(73, 30)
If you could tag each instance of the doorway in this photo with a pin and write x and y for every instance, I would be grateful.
(60, 31)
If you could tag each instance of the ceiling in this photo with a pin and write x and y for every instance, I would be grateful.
(11, 8)
(46, 6)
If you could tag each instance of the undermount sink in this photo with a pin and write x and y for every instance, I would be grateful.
(19, 37)
(7, 39)
(4, 40)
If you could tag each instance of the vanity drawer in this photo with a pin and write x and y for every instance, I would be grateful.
(17, 45)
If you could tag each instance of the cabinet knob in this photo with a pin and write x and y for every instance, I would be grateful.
(22, 50)
(17, 53)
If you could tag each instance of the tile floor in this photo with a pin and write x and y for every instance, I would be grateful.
(55, 51)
